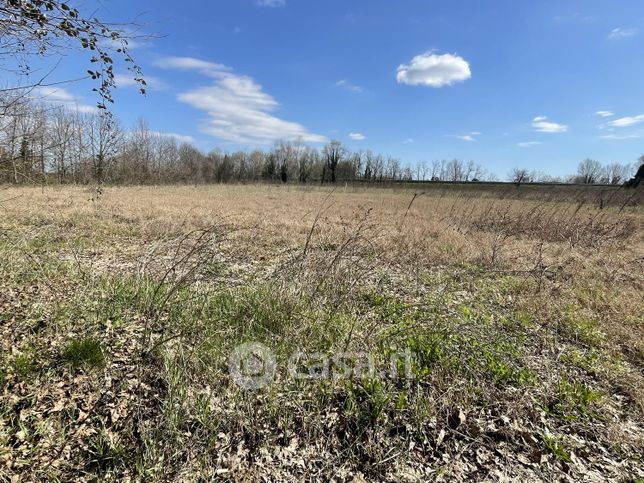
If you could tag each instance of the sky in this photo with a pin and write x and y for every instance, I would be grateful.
(506, 83)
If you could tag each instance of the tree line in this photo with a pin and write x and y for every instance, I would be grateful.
(41, 142)
(589, 171)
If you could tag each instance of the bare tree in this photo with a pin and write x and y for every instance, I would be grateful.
(257, 159)
(24, 127)
(138, 157)
(421, 170)
(519, 176)
(393, 168)
(105, 138)
(454, 170)
(437, 170)
(369, 172)
(474, 171)
(168, 158)
(306, 163)
(61, 136)
(356, 164)
(334, 152)
(589, 171)
(286, 155)
(616, 173)
(407, 174)
(191, 160)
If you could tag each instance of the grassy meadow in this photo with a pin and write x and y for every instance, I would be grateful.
(120, 308)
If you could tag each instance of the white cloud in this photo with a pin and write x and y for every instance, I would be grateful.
(605, 113)
(626, 121)
(528, 144)
(575, 17)
(270, 3)
(62, 97)
(434, 70)
(182, 138)
(52, 94)
(345, 84)
(621, 33)
(190, 63)
(239, 110)
(471, 137)
(127, 80)
(541, 124)
(133, 36)
(624, 136)
(466, 137)
(124, 80)
(409, 141)
(356, 136)
(134, 41)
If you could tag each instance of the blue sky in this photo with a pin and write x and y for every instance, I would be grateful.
(539, 84)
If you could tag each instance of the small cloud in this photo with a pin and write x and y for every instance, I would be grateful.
(621, 33)
(182, 138)
(61, 97)
(623, 136)
(409, 141)
(466, 137)
(575, 17)
(626, 121)
(356, 136)
(434, 70)
(605, 113)
(528, 144)
(126, 80)
(130, 38)
(471, 137)
(349, 86)
(541, 124)
(190, 63)
(270, 3)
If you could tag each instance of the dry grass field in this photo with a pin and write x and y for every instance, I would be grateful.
(522, 320)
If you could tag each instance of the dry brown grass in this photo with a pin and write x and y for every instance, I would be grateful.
(518, 297)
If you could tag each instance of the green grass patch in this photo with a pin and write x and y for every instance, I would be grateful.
(104, 452)
(557, 447)
(581, 328)
(83, 352)
(364, 401)
(574, 400)
(587, 360)
(476, 356)
(24, 365)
